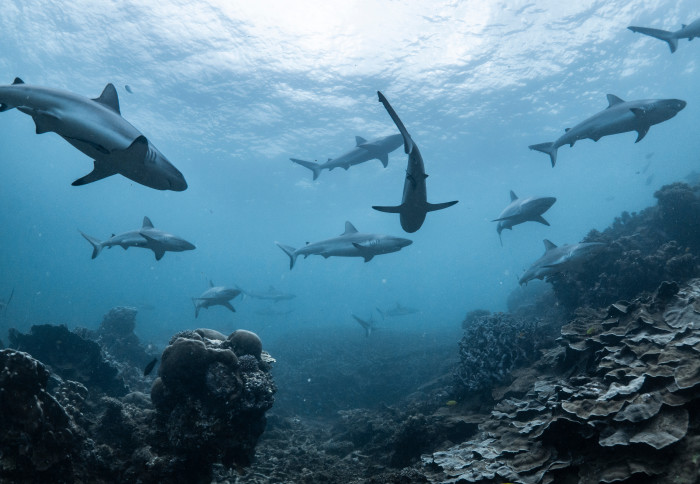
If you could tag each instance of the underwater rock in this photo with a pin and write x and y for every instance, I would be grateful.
(245, 343)
(210, 401)
(37, 441)
(491, 348)
(70, 356)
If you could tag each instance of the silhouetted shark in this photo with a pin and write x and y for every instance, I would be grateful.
(414, 204)
(215, 296)
(523, 210)
(570, 257)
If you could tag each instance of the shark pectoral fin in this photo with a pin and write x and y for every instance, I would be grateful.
(368, 257)
(641, 133)
(396, 209)
(138, 149)
(384, 159)
(154, 245)
(159, 252)
(439, 206)
(101, 170)
(43, 121)
(229, 306)
(540, 219)
(364, 252)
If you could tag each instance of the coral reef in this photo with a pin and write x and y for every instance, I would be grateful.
(626, 379)
(70, 356)
(491, 348)
(37, 441)
(643, 250)
(210, 401)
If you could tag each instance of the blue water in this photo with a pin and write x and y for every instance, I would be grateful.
(230, 93)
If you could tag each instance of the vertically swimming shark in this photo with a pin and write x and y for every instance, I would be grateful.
(523, 210)
(570, 257)
(414, 204)
(215, 296)
(619, 117)
(363, 151)
(368, 326)
(689, 32)
(350, 243)
(95, 127)
(147, 237)
(5, 304)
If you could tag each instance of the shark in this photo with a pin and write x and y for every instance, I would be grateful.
(689, 32)
(363, 151)
(96, 128)
(350, 243)
(146, 237)
(523, 210)
(368, 326)
(396, 311)
(569, 257)
(619, 117)
(215, 296)
(414, 204)
(272, 294)
(5, 304)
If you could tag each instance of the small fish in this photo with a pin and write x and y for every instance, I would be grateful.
(128, 89)
(451, 403)
(149, 367)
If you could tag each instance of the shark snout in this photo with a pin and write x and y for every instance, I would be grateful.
(404, 242)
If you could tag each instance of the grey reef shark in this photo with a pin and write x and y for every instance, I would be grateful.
(523, 210)
(272, 294)
(368, 326)
(363, 151)
(619, 117)
(414, 204)
(96, 128)
(569, 257)
(215, 296)
(350, 243)
(146, 237)
(396, 311)
(689, 32)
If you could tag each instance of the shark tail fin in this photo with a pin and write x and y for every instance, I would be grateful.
(664, 35)
(314, 167)
(196, 308)
(548, 148)
(439, 206)
(96, 244)
(381, 313)
(291, 252)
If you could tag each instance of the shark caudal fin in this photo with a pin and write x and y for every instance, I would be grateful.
(439, 206)
(291, 252)
(314, 167)
(664, 35)
(96, 244)
(196, 307)
(548, 148)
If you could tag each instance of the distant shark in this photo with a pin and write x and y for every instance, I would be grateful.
(368, 326)
(272, 294)
(215, 296)
(95, 127)
(523, 210)
(570, 257)
(146, 237)
(5, 304)
(350, 243)
(397, 310)
(414, 204)
(689, 32)
(363, 151)
(619, 117)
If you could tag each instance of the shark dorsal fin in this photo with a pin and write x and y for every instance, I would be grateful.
(147, 224)
(109, 98)
(513, 196)
(549, 245)
(17, 81)
(211, 283)
(359, 140)
(613, 100)
(349, 229)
